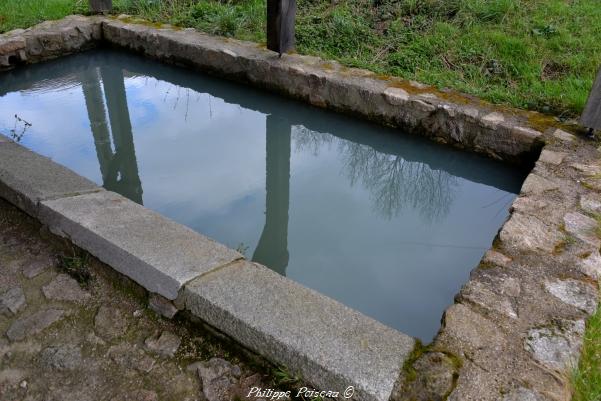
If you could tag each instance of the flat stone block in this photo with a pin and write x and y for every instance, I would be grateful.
(328, 344)
(27, 178)
(157, 253)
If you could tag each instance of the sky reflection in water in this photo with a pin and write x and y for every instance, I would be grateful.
(386, 223)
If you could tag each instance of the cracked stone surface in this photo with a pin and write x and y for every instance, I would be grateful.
(582, 227)
(59, 341)
(591, 204)
(12, 301)
(550, 157)
(64, 288)
(575, 293)
(110, 322)
(555, 348)
(165, 345)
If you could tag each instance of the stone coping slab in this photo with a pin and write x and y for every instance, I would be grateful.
(158, 253)
(27, 178)
(327, 343)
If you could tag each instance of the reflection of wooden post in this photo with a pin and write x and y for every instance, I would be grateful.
(122, 175)
(92, 92)
(101, 6)
(591, 117)
(280, 25)
(272, 249)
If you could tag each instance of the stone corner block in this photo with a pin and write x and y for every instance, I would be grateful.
(330, 345)
(159, 254)
(27, 178)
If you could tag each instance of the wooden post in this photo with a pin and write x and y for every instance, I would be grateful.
(591, 117)
(280, 25)
(101, 6)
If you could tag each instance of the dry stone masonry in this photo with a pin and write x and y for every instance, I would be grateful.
(517, 325)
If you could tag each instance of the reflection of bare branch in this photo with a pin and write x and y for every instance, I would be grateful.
(394, 182)
(19, 129)
(305, 138)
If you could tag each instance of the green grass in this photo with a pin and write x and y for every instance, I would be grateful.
(534, 54)
(586, 380)
(24, 13)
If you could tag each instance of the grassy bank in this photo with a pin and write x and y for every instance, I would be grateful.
(535, 54)
(587, 379)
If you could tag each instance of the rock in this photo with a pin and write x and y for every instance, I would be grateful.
(587, 169)
(493, 118)
(528, 233)
(528, 205)
(576, 293)
(591, 265)
(496, 258)
(128, 357)
(218, 377)
(554, 347)
(162, 306)
(522, 394)
(470, 329)
(110, 322)
(165, 345)
(590, 204)
(33, 324)
(61, 357)
(478, 293)
(536, 185)
(12, 301)
(37, 267)
(592, 183)
(526, 132)
(582, 227)
(396, 96)
(563, 135)
(11, 377)
(508, 286)
(65, 288)
(93, 339)
(550, 157)
(435, 377)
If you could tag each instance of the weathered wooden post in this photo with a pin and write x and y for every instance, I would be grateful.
(591, 117)
(280, 25)
(101, 6)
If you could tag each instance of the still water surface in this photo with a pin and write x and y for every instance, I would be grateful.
(386, 223)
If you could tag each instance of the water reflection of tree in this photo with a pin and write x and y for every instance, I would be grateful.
(393, 181)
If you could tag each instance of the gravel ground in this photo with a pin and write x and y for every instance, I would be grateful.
(73, 329)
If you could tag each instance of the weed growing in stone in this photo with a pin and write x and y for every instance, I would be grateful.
(77, 266)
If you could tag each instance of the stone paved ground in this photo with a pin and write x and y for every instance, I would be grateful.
(62, 340)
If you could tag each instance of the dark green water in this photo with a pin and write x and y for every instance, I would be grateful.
(386, 223)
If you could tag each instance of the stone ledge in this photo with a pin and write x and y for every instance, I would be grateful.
(414, 108)
(50, 39)
(27, 178)
(327, 343)
(157, 253)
